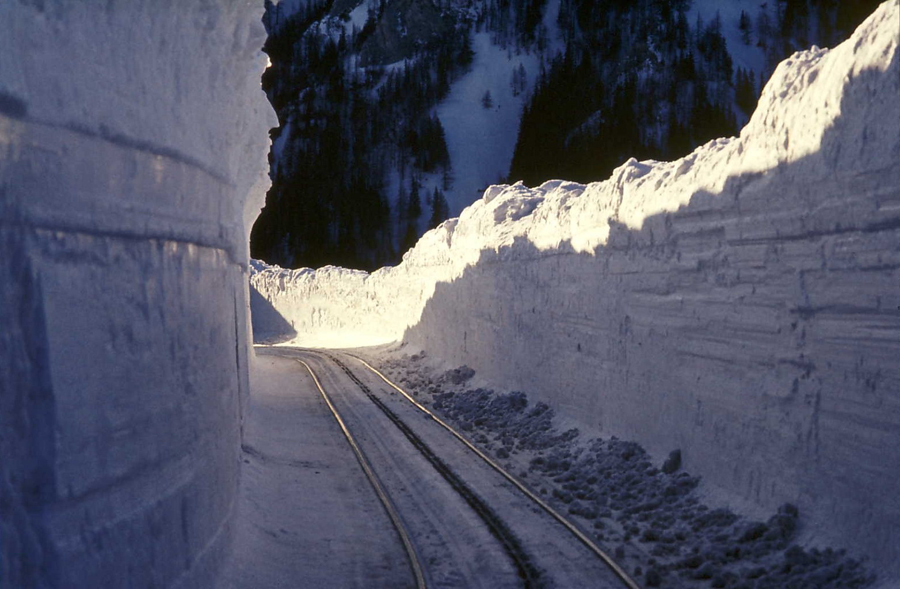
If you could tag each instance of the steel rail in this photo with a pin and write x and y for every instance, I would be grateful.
(385, 499)
(612, 564)
(530, 574)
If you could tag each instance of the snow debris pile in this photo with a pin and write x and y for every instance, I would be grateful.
(132, 162)
(739, 304)
(651, 518)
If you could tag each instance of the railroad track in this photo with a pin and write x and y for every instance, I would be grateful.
(411, 553)
(530, 574)
(511, 545)
(626, 579)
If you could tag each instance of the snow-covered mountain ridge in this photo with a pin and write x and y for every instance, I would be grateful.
(740, 303)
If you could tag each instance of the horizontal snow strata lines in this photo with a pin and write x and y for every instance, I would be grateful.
(143, 413)
(771, 359)
(743, 308)
(147, 195)
(132, 148)
(143, 76)
(135, 145)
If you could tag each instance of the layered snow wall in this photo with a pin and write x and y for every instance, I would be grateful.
(133, 138)
(741, 304)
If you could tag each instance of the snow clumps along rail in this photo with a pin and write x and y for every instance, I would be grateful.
(740, 304)
(652, 518)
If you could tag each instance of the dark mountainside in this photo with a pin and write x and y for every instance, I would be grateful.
(356, 103)
(637, 79)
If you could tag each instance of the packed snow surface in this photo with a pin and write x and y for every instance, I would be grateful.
(305, 504)
(133, 142)
(740, 304)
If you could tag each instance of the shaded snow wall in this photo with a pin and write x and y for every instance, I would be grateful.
(741, 304)
(132, 160)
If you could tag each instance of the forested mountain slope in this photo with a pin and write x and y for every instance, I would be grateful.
(396, 114)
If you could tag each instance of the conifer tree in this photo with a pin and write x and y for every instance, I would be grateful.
(439, 209)
(745, 27)
(414, 210)
(487, 101)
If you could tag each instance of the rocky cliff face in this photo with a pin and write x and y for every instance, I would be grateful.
(132, 162)
(740, 304)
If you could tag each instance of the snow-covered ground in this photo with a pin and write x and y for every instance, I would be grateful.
(307, 514)
(653, 517)
(307, 518)
(739, 304)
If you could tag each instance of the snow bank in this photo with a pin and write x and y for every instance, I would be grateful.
(132, 162)
(740, 304)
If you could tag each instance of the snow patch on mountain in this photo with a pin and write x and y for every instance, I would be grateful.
(359, 15)
(481, 136)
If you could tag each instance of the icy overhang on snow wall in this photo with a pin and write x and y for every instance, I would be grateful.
(133, 138)
(741, 304)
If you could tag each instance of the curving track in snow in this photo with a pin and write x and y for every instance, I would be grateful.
(498, 528)
(414, 561)
(472, 523)
(565, 522)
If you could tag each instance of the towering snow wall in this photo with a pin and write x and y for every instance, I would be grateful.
(132, 160)
(741, 304)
